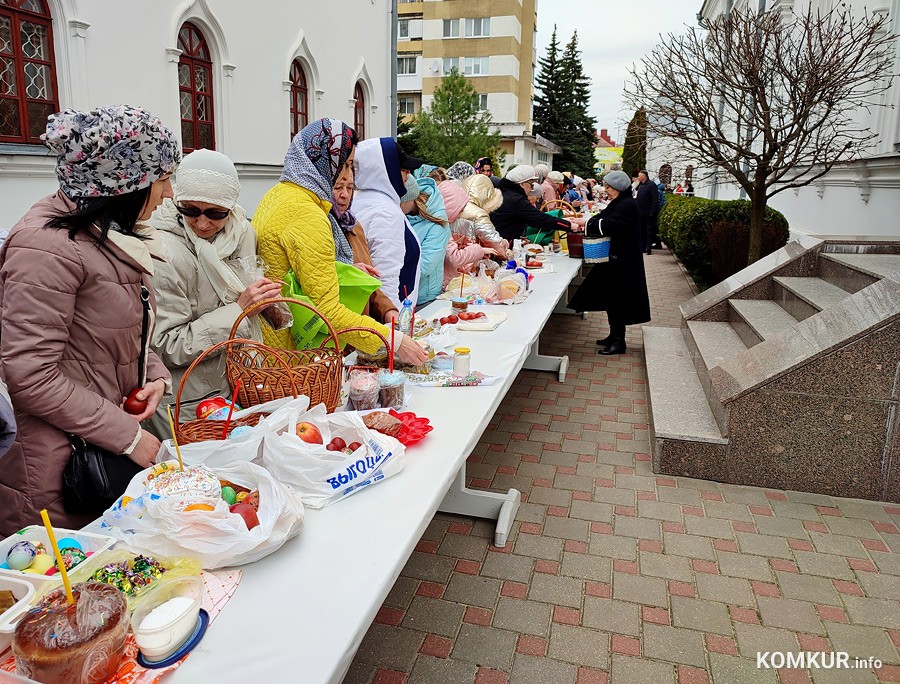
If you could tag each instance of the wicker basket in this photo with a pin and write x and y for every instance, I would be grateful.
(553, 204)
(273, 374)
(205, 430)
(574, 240)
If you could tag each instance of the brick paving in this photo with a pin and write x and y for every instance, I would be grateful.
(615, 574)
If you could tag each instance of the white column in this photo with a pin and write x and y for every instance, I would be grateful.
(79, 85)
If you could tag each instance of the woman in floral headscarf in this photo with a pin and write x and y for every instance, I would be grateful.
(77, 310)
(295, 231)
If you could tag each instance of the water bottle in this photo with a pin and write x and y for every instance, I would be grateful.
(404, 320)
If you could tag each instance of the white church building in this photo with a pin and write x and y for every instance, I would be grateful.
(859, 199)
(237, 77)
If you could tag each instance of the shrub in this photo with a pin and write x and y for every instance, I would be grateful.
(711, 237)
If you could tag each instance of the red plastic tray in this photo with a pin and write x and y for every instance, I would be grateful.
(414, 427)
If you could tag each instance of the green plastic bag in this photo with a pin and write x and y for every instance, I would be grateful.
(308, 330)
(542, 237)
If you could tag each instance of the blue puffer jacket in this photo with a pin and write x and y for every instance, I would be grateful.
(433, 238)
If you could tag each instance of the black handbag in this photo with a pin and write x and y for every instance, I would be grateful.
(94, 478)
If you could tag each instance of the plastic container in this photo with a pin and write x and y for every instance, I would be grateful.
(364, 390)
(164, 639)
(24, 593)
(96, 544)
(459, 304)
(392, 392)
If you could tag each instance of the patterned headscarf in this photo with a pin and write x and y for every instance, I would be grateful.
(460, 171)
(109, 151)
(314, 161)
(423, 171)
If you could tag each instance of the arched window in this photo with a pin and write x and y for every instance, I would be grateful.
(299, 98)
(665, 174)
(195, 90)
(689, 173)
(27, 70)
(359, 111)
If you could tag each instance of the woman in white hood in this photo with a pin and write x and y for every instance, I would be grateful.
(199, 295)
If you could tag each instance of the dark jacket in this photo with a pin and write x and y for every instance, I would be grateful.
(618, 286)
(516, 212)
(647, 200)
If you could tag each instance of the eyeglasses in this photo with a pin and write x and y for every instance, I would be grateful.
(211, 214)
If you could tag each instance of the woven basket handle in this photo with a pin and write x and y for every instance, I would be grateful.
(196, 362)
(366, 330)
(559, 201)
(266, 302)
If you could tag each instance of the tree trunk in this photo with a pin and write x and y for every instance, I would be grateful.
(757, 219)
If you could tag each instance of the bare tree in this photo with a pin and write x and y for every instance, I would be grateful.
(772, 99)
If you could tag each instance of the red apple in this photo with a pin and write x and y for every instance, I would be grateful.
(133, 405)
(247, 512)
(309, 433)
(353, 446)
(338, 443)
(453, 319)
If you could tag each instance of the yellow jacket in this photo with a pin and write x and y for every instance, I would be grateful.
(294, 232)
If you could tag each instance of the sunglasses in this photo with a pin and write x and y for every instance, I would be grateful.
(211, 214)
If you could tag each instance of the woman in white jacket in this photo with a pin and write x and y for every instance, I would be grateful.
(199, 293)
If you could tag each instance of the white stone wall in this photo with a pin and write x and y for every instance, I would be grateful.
(106, 54)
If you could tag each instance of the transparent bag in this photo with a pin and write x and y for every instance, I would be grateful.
(250, 269)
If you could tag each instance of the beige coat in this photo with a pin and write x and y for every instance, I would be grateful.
(191, 318)
(71, 319)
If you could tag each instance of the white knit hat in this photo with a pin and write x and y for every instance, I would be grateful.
(555, 177)
(207, 176)
(522, 173)
(542, 170)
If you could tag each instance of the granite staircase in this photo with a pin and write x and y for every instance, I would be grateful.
(786, 375)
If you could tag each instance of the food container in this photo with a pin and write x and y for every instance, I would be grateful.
(95, 544)
(392, 391)
(163, 635)
(459, 304)
(24, 593)
(364, 390)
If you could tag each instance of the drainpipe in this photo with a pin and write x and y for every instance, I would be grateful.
(714, 190)
(393, 106)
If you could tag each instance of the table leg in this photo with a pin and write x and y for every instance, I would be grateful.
(480, 504)
(540, 362)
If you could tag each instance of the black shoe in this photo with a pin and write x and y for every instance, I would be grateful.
(616, 347)
(649, 249)
(606, 341)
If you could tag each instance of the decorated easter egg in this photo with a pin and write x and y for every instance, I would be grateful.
(72, 557)
(229, 495)
(21, 555)
(42, 563)
(69, 543)
(239, 430)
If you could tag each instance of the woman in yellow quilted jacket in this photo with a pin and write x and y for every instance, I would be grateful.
(295, 231)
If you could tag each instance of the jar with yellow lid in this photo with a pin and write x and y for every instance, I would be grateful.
(461, 362)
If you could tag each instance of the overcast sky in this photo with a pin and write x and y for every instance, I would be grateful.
(612, 36)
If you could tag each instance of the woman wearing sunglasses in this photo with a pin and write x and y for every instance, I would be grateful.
(199, 294)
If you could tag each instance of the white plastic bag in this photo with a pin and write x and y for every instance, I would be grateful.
(247, 446)
(322, 477)
(216, 538)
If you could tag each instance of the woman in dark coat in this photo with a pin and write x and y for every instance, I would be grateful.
(516, 213)
(618, 286)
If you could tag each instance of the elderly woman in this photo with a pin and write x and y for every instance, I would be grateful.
(483, 199)
(296, 232)
(515, 211)
(199, 288)
(77, 314)
(460, 171)
(618, 286)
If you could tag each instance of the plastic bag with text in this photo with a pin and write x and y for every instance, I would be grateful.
(320, 476)
(217, 538)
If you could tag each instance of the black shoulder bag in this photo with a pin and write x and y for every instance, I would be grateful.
(94, 478)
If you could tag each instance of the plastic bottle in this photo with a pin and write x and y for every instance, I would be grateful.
(404, 320)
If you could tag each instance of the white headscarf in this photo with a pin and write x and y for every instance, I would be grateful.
(207, 176)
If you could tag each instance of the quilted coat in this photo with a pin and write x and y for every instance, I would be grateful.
(293, 232)
(71, 320)
(433, 237)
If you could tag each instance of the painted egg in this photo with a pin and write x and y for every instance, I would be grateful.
(72, 557)
(229, 495)
(69, 543)
(42, 563)
(21, 555)
(239, 430)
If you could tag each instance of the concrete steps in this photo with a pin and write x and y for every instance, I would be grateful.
(757, 320)
(805, 297)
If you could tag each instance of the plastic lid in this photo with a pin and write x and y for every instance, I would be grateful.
(407, 302)
(461, 350)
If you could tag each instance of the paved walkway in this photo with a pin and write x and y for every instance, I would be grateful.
(614, 574)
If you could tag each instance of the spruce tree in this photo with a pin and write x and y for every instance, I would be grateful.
(546, 112)
(577, 134)
(453, 128)
(634, 152)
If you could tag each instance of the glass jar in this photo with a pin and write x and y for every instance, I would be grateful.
(461, 362)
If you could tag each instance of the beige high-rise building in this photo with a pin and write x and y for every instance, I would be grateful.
(493, 44)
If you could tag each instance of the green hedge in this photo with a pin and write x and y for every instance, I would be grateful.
(711, 237)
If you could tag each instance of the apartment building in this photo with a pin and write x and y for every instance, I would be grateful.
(491, 43)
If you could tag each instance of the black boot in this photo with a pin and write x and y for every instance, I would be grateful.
(606, 340)
(614, 347)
